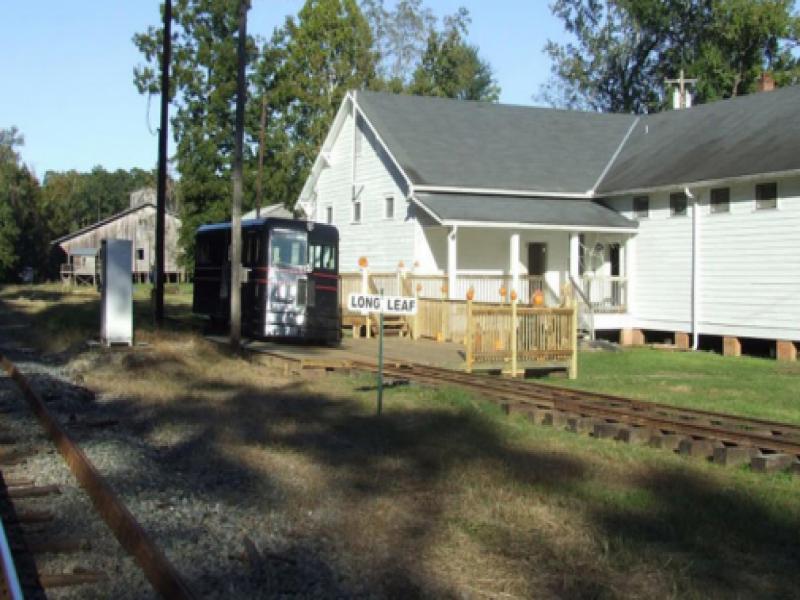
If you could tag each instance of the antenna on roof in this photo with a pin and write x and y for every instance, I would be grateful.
(681, 97)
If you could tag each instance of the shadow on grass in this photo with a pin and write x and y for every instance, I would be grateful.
(387, 487)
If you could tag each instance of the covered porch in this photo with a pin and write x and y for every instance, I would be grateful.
(551, 243)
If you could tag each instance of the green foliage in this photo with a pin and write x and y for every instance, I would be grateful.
(21, 244)
(624, 49)
(451, 68)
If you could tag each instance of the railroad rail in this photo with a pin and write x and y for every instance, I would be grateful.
(729, 439)
(162, 575)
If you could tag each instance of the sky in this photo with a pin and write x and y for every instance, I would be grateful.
(67, 71)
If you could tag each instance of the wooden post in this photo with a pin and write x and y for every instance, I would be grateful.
(513, 333)
(470, 341)
(573, 363)
(415, 333)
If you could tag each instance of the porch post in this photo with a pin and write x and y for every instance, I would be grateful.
(513, 267)
(575, 255)
(629, 270)
(452, 261)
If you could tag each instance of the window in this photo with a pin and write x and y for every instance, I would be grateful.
(357, 211)
(322, 256)
(288, 248)
(720, 200)
(140, 254)
(641, 207)
(329, 215)
(388, 207)
(766, 195)
(359, 142)
(677, 204)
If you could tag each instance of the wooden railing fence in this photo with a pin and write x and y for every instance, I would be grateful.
(511, 335)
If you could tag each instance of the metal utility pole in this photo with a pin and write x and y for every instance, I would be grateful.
(236, 209)
(161, 192)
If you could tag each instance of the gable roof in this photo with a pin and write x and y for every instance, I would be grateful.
(744, 136)
(440, 142)
(107, 220)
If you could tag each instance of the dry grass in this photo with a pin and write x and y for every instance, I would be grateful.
(444, 497)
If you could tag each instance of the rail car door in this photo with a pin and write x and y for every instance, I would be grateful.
(252, 317)
(287, 282)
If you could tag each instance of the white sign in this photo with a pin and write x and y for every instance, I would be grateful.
(392, 305)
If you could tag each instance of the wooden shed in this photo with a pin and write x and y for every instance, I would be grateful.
(77, 251)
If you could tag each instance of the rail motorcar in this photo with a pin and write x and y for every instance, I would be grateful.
(290, 285)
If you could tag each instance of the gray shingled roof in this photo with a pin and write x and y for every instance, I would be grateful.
(515, 209)
(759, 133)
(442, 142)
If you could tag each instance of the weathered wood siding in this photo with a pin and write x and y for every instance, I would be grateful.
(383, 241)
(749, 265)
(138, 226)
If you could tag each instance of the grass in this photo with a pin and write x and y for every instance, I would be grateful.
(65, 318)
(753, 387)
(443, 496)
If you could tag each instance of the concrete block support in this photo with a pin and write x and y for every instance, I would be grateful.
(785, 350)
(682, 340)
(631, 337)
(731, 346)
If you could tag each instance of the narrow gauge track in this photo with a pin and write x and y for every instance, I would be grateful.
(158, 570)
(730, 430)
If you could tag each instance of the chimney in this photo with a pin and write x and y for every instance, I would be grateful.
(766, 83)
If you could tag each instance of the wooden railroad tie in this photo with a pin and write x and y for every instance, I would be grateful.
(767, 463)
(734, 456)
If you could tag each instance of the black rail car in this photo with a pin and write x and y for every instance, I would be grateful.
(291, 288)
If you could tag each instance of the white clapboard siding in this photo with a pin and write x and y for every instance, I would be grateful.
(383, 241)
(749, 265)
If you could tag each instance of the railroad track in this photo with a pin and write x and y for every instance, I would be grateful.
(728, 439)
(18, 547)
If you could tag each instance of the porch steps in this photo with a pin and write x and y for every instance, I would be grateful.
(395, 326)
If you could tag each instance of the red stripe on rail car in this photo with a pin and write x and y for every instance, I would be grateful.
(327, 288)
(325, 275)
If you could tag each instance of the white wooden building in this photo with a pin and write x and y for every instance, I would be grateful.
(685, 221)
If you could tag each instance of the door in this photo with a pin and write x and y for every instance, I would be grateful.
(537, 259)
(616, 287)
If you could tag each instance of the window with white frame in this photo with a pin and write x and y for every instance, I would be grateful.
(766, 196)
(720, 200)
(641, 207)
(329, 215)
(388, 207)
(677, 204)
(357, 211)
(359, 143)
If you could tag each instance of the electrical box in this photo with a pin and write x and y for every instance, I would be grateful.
(116, 292)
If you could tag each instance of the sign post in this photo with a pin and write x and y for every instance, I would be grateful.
(380, 360)
(393, 305)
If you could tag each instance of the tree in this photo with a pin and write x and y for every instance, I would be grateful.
(451, 68)
(624, 49)
(309, 65)
(21, 240)
(400, 38)
(204, 78)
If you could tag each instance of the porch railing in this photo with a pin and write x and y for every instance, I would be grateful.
(606, 294)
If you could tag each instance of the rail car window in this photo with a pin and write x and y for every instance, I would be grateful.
(210, 251)
(322, 257)
(252, 249)
(288, 248)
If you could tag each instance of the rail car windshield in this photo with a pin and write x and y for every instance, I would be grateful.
(288, 249)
